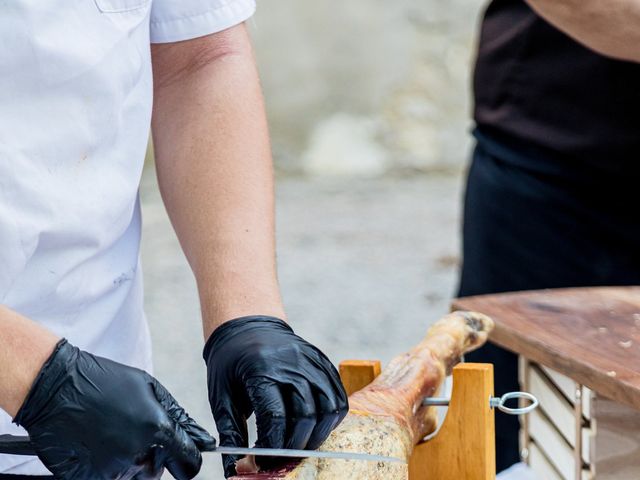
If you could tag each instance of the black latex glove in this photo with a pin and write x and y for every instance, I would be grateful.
(257, 364)
(94, 419)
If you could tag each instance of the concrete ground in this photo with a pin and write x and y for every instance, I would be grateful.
(365, 267)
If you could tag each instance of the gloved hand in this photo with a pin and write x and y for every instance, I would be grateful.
(257, 364)
(93, 419)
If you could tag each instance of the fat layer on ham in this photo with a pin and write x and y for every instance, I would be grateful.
(387, 417)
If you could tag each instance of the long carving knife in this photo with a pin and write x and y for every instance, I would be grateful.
(287, 452)
(21, 445)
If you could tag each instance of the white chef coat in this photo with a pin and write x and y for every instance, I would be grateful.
(75, 108)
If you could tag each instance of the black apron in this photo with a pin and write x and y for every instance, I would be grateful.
(524, 230)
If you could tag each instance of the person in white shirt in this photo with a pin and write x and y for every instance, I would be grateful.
(81, 82)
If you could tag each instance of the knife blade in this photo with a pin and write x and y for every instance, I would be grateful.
(21, 445)
(288, 452)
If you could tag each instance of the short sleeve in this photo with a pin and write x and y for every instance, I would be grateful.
(176, 20)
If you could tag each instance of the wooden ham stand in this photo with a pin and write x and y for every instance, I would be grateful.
(464, 447)
(580, 355)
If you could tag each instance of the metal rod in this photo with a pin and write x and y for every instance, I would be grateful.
(494, 402)
(435, 402)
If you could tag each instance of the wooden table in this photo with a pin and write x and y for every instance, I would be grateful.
(580, 352)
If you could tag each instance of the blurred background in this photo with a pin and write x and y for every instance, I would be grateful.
(368, 102)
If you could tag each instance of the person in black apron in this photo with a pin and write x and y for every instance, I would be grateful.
(552, 187)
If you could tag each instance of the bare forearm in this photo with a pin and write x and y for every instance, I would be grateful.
(215, 173)
(24, 347)
(611, 28)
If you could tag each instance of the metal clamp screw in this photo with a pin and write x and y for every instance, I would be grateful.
(499, 403)
(494, 402)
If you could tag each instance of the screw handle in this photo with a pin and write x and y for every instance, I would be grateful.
(500, 403)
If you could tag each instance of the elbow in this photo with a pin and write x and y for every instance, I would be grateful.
(180, 60)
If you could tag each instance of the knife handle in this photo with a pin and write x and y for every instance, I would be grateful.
(16, 445)
(21, 445)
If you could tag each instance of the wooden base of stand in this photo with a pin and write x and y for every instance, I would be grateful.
(464, 447)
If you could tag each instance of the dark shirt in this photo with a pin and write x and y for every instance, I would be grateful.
(540, 92)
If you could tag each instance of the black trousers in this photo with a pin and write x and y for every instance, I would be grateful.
(524, 229)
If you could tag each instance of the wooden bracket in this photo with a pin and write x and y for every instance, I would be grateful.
(464, 447)
(357, 374)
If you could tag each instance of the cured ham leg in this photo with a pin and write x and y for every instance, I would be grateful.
(387, 417)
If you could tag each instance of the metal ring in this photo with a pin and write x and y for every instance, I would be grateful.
(499, 403)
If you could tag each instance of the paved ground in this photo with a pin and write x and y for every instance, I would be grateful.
(365, 265)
